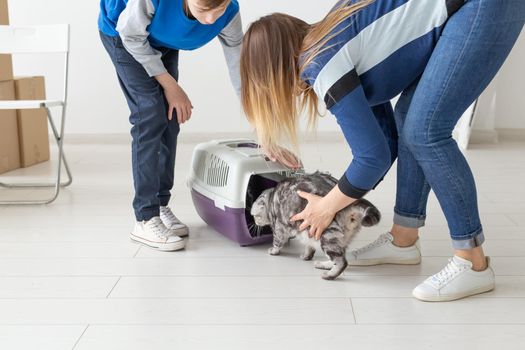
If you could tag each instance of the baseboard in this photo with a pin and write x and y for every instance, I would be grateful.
(484, 136)
(511, 135)
(477, 137)
(81, 139)
(323, 136)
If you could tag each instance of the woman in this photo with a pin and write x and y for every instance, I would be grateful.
(440, 55)
(143, 39)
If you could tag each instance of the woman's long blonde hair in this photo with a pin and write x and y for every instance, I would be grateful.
(273, 93)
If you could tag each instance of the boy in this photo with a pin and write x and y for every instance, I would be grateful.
(143, 39)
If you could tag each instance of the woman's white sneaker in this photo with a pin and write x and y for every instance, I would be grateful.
(383, 251)
(154, 234)
(457, 280)
(173, 223)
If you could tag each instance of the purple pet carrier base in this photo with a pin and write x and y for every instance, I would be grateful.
(231, 222)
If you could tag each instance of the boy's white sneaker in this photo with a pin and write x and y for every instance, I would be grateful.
(457, 280)
(173, 223)
(383, 251)
(154, 234)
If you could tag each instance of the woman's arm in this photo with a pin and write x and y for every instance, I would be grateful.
(231, 40)
(370, 149)
(371, 160)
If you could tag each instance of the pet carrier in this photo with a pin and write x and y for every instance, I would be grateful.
(226, 177)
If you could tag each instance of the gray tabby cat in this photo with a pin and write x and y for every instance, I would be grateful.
(277, 205)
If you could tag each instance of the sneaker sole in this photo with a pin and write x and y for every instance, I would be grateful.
(181, 232)
(167, 247)
(373, 262)
(452, 297)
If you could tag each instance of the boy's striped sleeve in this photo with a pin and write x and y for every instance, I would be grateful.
(132, 28)
(231, 39)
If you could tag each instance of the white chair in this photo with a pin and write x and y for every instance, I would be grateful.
(37, 40)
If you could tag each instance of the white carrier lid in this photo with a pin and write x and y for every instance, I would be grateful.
(221, 170)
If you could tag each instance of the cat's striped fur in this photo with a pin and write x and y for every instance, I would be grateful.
(277, 205)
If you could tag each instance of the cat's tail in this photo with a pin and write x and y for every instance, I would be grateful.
(371, 215)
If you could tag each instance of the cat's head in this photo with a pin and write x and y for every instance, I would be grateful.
(260, 209)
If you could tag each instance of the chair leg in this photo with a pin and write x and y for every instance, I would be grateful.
(43, 185)
(57, 184)
(59, 138)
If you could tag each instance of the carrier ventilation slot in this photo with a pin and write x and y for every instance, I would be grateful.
(286, 173)
(217, 174)
(200, 164)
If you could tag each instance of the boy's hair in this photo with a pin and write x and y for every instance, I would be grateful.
(212, 4)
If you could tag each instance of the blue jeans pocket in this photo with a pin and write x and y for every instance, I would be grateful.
(122, 56)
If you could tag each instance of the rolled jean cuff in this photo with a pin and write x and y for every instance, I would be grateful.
(476, 240)
(409, 220)
(164, 200)
(147, 214)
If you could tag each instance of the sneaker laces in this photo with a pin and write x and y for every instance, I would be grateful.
(381, 240)
(157, 227)
(448, 273)
(166, 211)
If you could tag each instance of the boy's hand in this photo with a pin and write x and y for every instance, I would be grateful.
(176, 97)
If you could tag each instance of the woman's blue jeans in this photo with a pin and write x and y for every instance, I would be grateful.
(475, 42)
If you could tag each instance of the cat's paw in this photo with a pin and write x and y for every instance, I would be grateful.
(324, 265)
(274, 251)
(335, 271)
(328, 276)
(306, 257)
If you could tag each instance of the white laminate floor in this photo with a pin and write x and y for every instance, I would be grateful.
(70, 278)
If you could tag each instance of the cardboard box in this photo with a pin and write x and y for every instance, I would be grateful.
(33, 134)
(6, 64)
(9, 148)
(6, 67)
(4, 13)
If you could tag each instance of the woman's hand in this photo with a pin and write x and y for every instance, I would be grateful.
(176, 97)
(285, 157)
(317, 215)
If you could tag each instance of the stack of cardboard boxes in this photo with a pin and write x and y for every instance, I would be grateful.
(24, 139)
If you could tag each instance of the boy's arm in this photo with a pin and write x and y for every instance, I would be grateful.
(231, 40)
(132, 28)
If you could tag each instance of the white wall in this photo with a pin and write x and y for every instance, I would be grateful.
(511, 89)
(97, 106)
(500, 106)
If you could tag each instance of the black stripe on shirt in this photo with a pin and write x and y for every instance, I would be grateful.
(453, 6)
(350, 190)
(345, 85)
